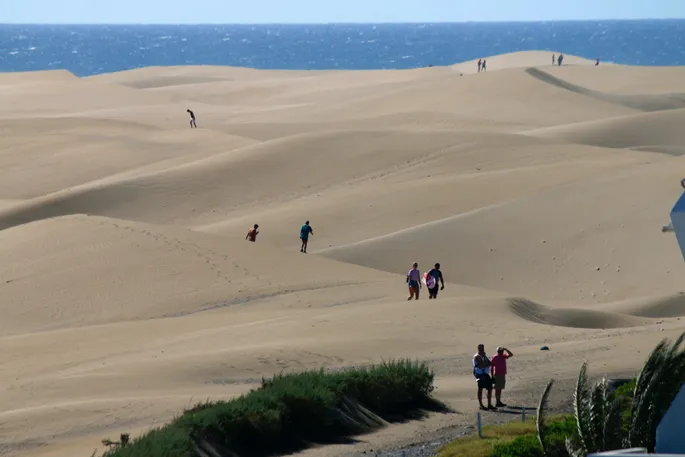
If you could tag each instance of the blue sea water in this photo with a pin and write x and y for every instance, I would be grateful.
(93, 49)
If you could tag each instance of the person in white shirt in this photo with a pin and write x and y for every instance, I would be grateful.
(481, 370)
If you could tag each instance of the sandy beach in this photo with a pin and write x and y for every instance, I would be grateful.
(129, 291)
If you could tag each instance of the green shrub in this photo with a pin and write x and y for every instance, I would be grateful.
(169, 441)
(529, 445)
(627, 389)
(289, 411)
(522, 446)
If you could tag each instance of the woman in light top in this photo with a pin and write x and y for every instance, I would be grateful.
(414, 281)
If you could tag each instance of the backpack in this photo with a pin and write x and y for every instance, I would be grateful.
(487, 365)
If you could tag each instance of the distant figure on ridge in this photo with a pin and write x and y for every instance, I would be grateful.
(414, 281)
(252, 233)
(554, 59)
(433, 278)
(304, 236)
(560, 59)
(480, 64)
(192, 119)
(597, 63)
(484, 65)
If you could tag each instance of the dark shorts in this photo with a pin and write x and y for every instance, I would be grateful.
(433, 291)
(304, 238)
(500, 381)
(414, 284)
(485, 382)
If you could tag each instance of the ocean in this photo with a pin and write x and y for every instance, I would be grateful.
(92, 49)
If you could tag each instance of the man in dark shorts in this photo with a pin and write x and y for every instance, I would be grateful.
(304, 236)
(192, 119)
(481, 370)
(437, 274)
(252, 233)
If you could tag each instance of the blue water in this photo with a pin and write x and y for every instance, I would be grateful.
(92, 49)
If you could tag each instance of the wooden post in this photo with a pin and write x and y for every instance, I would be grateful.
(480, 426)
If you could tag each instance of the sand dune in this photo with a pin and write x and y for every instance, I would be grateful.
(572, 317)
(521, 60)
(559, 244)
(642, 102)
(184, 272)
(129, 291)
(62, 95)
(659, 132)
(652, 307)
(622, 79)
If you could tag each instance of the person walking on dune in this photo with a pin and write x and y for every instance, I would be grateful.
(481, 370)
(304, 236)
(434, 277)
(498, 372)
(252, 233)
(414, 281)
(192, 119)
(480, 63)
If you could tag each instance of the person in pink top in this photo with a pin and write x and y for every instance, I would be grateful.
(498, 372)
(414, 281)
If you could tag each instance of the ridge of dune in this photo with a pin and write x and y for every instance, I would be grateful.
(448, 92)
(86, 151)
(572, 317)
(642, 102)
(28, 77)
(159, 76)
(558, 245)
(197, 187)
(176, 272)
(520, 59)
(659, 131)
(668, 306)
(624, 79)
(60, 96)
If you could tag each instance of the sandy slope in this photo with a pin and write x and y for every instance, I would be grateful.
(129, 291)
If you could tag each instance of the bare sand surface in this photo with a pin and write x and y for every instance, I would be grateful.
(129, 291)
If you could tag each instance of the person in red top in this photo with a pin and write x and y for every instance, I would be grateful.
(498, 372)
(252, 233)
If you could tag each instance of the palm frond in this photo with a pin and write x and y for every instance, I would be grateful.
(574, 447)
(657, 386)
(580, 402)
(613, 436)
(639, 413)
(665, 392)
(596, 416)
(540, 421)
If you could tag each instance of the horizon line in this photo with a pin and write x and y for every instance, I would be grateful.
(522, 21)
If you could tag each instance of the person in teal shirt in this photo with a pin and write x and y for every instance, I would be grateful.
(304, 236)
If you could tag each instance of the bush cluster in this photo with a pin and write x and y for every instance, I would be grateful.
(290, 411)
(529, 445)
